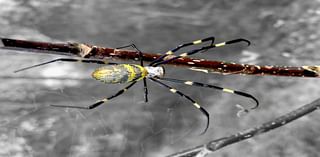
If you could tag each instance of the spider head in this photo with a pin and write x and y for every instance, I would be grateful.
(155, 71)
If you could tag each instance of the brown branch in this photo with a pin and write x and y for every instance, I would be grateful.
(214, 145)
(202, 65)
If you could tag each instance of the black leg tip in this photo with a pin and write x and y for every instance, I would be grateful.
(208, 119)
(239, 40)
(249, 96)
(248, 42)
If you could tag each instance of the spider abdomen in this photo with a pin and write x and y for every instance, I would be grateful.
(121, 73)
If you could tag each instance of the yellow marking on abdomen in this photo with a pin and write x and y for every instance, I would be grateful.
(132, 73)
(143, 71)
(100, 73)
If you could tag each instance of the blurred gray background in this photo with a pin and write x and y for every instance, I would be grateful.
(282, 32)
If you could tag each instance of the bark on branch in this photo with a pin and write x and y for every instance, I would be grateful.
(202, 65)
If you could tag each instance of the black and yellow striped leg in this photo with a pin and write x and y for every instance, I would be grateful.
(205, 48)
(97, 61)
(191, 83)
(171, 52)
(98, 103)
(188, 98)
(145, 86)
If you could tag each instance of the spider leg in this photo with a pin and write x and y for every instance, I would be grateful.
(145, 86)
(97, 61)
(99, 102)
(171, 52)
(205, 48)
(190, 83)
(208, 49)
(135, 47)
(188, 98)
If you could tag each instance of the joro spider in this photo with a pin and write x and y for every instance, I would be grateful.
(115, 73)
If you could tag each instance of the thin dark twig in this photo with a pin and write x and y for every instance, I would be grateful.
(203, 150)
(202, 65)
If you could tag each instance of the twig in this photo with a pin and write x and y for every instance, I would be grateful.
(202, 65)
(203, 150)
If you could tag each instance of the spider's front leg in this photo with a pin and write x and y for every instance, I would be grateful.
(202, 49)
(171, 52)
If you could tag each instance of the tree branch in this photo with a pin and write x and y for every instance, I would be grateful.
(203, 150)
(202, 65)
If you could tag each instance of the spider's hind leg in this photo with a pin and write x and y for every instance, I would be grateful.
(81, 60)
(99, 102)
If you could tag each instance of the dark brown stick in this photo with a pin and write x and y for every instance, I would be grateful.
(202, 65)
(249, 133)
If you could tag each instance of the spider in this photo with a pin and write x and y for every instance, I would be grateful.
(115, 73)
